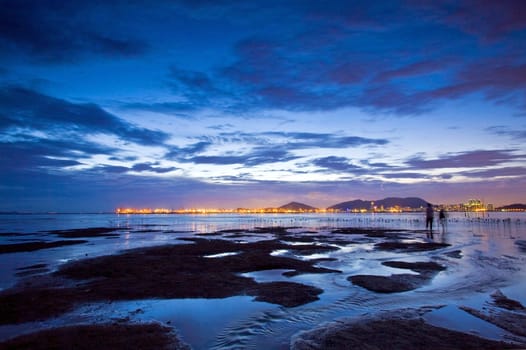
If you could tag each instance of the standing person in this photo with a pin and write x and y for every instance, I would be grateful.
(429, 218)
(442, 219)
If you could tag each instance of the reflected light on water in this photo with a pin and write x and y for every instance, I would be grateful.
(221, 255)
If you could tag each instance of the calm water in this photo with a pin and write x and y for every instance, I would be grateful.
(491, 259)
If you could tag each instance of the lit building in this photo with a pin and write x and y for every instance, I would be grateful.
(474, 205)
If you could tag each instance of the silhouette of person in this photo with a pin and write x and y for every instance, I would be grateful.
(429, 218)
(442, 219)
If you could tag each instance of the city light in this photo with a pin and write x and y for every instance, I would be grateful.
(472, 205)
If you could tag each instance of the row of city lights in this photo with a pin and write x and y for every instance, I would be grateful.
(255, 211)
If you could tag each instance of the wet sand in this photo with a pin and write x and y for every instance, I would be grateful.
(390, 332)
(100, 337)
(32, 246)
(173, 271)
(211, 266)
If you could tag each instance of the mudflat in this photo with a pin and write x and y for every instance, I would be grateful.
(213, 265)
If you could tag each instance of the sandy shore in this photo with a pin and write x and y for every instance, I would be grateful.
(211, 266)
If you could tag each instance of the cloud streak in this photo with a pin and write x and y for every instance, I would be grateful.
(472, 159)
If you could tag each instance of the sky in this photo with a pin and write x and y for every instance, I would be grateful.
(227, 104)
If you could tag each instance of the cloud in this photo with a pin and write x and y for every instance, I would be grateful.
(263, 147)
(40, 134)
(339, 164)
(411, 70)
(404, 175)
(471, 159)
(402, 57)
(138, 167)
(488, 20)
(35, 154)
(109, 169)
(56, 31)
(178, 153)
(275, 72)
(304, 140)
(97, 190)
(398, 57)
(24, 108)
(152, 167)
(257, 156)
(180, 109)
(377, 165)
(192, 82)
(271, 147)
(505, 131)
(498, 80)
(500, 172)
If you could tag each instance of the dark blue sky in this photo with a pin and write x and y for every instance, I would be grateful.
(257, 103)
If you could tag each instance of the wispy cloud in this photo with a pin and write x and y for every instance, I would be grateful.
(471, 159)
(323, 140)
(499, 172)
(152, 167)
(303, 140)
(339, 164)
(506, 131)
(255, 157)
(263, 147)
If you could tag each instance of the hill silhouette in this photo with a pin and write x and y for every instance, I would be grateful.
(410, 202)
(515, 206)
(295, 206)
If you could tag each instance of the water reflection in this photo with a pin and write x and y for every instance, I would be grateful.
(221, 255)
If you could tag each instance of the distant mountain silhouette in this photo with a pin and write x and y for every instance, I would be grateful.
(516, 206)
(411, 202)
(296, 206)
(350, 205)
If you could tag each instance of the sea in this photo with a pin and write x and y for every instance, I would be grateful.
(492, 248)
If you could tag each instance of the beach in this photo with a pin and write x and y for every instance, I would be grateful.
(263, 281)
